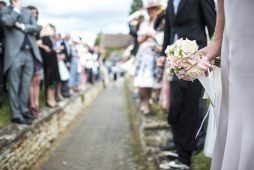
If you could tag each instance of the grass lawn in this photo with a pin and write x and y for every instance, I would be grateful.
(201, 162)
(5, 117)
(4, 113)
(159, 113)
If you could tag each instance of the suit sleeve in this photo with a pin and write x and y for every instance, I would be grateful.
(209, 13)
(166, 40)
(9, 19)
(32, 27)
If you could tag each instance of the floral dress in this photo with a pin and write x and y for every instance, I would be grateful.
(145, 75)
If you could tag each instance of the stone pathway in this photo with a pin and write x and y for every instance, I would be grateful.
(100, 139)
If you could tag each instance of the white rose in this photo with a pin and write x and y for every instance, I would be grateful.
(170, 49)
(189, 47)
(194, 73)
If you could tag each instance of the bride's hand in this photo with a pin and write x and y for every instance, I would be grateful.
(211, 51)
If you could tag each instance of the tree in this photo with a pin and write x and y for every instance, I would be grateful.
(136, 5)
(98, 40)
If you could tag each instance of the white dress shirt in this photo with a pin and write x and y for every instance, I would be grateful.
(176, 5)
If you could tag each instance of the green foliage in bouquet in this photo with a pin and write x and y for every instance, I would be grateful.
(217, 62)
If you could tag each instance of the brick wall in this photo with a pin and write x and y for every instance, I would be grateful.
(22, 146)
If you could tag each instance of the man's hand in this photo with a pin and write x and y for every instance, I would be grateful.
(20, 25)
(161, 61)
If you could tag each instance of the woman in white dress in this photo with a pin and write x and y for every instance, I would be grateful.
(146, 56)
(234, 38)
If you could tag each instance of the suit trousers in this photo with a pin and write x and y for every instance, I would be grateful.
(19, 80)
(184, 116)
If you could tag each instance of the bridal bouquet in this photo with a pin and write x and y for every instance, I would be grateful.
(185, 61)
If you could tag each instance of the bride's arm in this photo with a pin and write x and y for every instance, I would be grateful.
(214, 49)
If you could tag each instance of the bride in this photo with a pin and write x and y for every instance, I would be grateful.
(234, 39)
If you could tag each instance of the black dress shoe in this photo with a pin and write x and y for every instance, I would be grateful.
(200, 146)
(22, 121)
(170, 147)
(29, 116)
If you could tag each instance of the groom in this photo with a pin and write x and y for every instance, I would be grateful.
(186, 19)
(20, 28)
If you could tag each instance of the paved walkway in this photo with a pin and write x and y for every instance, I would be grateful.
(101, 138)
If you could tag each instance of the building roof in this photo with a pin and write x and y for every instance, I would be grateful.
(115, 40)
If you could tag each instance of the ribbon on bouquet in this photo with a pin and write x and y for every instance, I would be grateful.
(212, 86)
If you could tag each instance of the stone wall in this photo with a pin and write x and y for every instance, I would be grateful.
(153, 131)
(22, 146)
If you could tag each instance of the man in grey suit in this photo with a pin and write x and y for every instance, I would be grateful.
(20, 49)
(2, 4)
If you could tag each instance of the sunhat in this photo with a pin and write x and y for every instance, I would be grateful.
(153, 3)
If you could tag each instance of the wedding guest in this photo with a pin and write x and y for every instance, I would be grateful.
(37, 75)
(2, 4)
(57, 39)
(84, 53)
(74, 80)
(20, 49)
(104, 72)
(50, 66)
(146, 56)
(115, 73)
(159, 25)
(66, 43)
(234, 40)
(96, 68)
(67, 51)
(89, 64)
(186, 19)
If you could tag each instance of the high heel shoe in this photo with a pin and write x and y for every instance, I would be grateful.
(51, 106)
(34, 113)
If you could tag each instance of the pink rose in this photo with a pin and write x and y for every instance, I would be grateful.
(204, 64)
(192, 59)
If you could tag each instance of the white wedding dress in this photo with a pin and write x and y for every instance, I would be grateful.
(212, 86)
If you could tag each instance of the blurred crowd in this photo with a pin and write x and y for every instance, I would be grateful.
(153, 28)
(35, 58)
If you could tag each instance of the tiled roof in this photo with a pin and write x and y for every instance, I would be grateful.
(115, 40)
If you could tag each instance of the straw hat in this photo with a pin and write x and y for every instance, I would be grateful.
(76, 39)
(153, 3)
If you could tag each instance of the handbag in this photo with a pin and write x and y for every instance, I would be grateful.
(64, 72)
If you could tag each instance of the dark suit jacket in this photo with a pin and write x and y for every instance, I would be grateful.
(190, 21)
(14, 37)
(65, 52)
